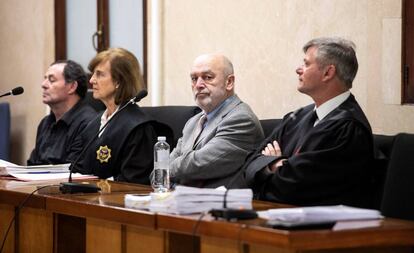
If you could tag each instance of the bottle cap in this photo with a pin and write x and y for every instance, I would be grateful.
(161, 138)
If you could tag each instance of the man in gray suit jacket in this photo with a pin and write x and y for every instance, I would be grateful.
(216, 141)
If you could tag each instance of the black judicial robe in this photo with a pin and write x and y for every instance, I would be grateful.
(329, 164)
(124, 150)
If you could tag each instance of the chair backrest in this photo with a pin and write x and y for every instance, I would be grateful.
(398, 193)
(382, 148)
(94, 103)
(173, 116)
(269, 125)
(383, 145)
(162, 129)
(4, 131)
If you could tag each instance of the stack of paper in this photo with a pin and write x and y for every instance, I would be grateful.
(320, 214)
(37, 172)
(36, 169)
(187, 200)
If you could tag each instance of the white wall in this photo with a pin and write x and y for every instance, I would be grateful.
(26, 50)
(264, 40)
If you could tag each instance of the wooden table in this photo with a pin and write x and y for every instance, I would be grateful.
(55, 222)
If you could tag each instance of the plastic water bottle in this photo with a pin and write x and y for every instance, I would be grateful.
(161, 179)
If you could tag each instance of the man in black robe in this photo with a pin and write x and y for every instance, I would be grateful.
(320, 154)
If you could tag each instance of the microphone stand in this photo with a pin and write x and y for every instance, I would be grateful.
(5, 94)
(71, 187)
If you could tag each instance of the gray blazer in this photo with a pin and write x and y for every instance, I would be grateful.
(220, 150)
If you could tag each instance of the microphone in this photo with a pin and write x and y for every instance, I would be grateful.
(14, 92)
(142, 94)
(70, 187)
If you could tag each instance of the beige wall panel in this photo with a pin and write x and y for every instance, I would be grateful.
(391, 8)
(372, 66)
(391, 64)
(264, 41)
(26, 49)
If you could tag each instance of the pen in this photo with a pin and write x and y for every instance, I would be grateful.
(41, 172)
(38, 172)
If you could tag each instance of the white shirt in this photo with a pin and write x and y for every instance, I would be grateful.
(327, 107)
(105, 118)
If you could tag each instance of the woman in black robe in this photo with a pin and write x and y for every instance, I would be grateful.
(124, 149)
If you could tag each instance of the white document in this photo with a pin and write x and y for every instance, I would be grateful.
(49, 176)
(38, 172)
(9, 169)
(137, 201)
(4, 163)
(188, 200)
(50, 168)
(320, 214)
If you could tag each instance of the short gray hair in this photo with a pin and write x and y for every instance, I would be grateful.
(227, 66)
(338, 52)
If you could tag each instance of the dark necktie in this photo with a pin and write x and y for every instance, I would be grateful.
(312, 119)
(199, 128)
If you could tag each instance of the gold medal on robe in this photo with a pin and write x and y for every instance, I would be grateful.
(103, 154)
